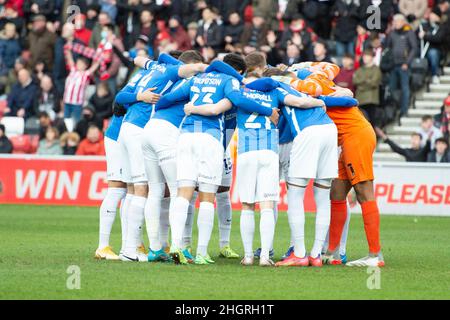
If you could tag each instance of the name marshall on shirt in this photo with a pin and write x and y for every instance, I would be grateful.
(258, 96)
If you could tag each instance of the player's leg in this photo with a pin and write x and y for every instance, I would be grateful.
(151, 148)
(371, 216)
(304, 159)
(327, 170)
(164, 224)
(296, 218)
(339, 191)
(205, 222)
(187, 175)
(187, 235)
(267, 195)
(322, 199)
(224, 210)
(108, 209)
(246, 174)
(210, 159)
(135, 217)
(124, 209)
(115, 193)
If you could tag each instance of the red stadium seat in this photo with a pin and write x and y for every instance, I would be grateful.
(22, 144)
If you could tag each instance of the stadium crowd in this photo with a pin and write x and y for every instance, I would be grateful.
(52, 53)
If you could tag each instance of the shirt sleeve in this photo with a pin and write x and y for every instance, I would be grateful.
(181, 94)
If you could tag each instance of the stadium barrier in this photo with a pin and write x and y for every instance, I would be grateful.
(400, 188)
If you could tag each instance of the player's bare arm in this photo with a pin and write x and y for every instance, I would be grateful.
(190, 70)
(208, 109)
(148, 96)
(303, 102)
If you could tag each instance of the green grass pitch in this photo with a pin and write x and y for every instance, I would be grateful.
(38, 244)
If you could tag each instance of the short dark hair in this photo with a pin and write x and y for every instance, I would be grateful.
(191, 56)
(416, 134)
(110, 27)
(236, 62)
(443, 140)
(255, 60)
(276, 72)
(176, 53)
(427, 117)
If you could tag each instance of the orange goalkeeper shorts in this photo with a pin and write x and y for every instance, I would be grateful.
(356, 158)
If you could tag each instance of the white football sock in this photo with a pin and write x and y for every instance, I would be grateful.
(152, 221)
(177, 218)
(296, 217)
(135, 222)
(275, 215)
(124, 210)
(267, 231)
(323, 214)
(108, 211)
(187, 235)
(247, 231)
(205, 224)
(224, 213)
(164, 224)
(343, 244)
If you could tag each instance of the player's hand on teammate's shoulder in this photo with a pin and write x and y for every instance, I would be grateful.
(275, 117)
(188, 108)
(148, 96)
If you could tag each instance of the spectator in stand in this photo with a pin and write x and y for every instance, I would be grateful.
(92, 14)
(109, 6)
(433, 34)
(347, 17)
(102, 101)
(21, 98)
(403, 43)
(267, 9)
(82, 33)
(233, 32)
(360, 44)
(443, 119)
(427, 128)
(76, 84)
(192, 30)
(98, 34)
(413, 9)
(254, 35)
(415, 153)
(93, 144)
(50, 145)
(321, 52)
(377, 47)
(367, 81)
(32, 8)
(345, 77)
(299, 33)
(89, 118)
(47, 99)
(5, 144)
(210, 32)
(148, 26)
(69, 143)
(11, 14)
(46, 122)
(10, 48)
(441, 153)
(293, 55)
(41, 42)
(178, 34)
(129, 11)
